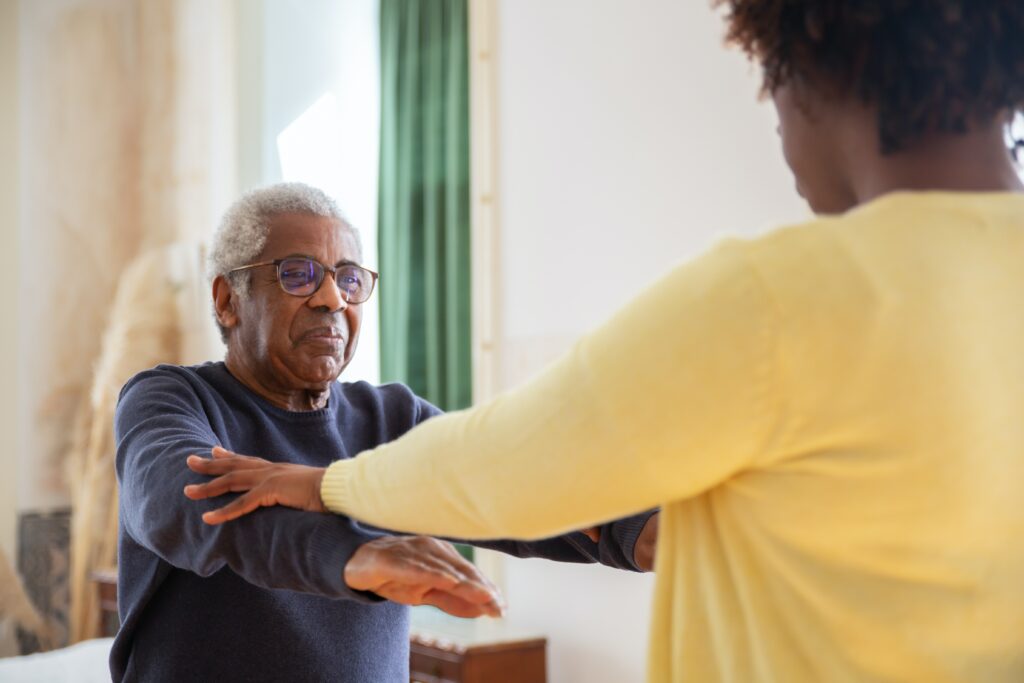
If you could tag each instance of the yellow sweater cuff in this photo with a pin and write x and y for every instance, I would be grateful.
(334, 486)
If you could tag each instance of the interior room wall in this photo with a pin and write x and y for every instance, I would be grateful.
(10, 443)
(628, 140)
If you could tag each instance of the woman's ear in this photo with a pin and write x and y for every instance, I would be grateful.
(224, 300)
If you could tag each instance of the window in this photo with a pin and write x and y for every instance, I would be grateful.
(310, 111)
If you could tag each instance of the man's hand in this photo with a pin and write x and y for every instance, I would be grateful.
(268, 483)
(418, 570)
(647, 544)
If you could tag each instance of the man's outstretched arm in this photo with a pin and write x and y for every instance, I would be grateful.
(627, 543)
(160, 422)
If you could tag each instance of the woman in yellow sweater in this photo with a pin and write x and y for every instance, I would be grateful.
(831, 416)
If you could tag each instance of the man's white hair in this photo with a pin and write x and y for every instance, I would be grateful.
(243, 231)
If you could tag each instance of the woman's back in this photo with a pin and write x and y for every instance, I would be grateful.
(878, 531)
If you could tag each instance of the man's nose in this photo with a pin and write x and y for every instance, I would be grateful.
(329, 296)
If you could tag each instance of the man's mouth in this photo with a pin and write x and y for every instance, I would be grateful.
(327, 335)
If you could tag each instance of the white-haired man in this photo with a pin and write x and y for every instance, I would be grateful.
(316, 597)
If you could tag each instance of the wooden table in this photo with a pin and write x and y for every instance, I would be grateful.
(106, 585)
(445, 649)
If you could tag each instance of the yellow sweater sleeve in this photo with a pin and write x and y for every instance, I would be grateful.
(670, 397)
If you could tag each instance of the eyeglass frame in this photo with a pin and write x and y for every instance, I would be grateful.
(333, 270)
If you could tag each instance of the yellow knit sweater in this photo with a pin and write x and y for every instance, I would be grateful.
(832, 418)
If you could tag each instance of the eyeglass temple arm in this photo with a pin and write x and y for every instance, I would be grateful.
(252, 265)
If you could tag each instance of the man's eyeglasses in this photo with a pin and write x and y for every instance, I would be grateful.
(302, 276)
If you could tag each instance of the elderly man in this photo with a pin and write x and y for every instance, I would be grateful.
(281, 594)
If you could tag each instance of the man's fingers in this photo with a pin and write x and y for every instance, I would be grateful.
(420, 577)
(473, 573)
(463, 568)
(456, 606)
(478, 593)
(242, 505)
(449, 602)
(469, 575)
(453, 574)
(406, 573)
(471, 586)
(407, 569)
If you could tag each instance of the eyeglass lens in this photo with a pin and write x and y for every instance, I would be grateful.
(302, 277)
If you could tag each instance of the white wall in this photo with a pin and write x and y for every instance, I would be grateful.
(10, 444)
(629, 140)
(310, 104)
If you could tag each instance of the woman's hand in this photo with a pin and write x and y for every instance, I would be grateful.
(267, 483)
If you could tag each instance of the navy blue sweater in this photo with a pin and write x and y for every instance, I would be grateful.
(263, 598)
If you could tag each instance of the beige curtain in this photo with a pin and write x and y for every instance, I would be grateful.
(127, 115)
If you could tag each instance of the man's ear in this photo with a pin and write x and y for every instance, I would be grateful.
(224, 302)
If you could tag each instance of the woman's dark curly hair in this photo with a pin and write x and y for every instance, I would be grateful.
(928, 65)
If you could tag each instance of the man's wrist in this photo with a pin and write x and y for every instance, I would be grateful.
(317, 486)
(347, 574)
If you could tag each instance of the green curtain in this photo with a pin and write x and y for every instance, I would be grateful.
(423, 227)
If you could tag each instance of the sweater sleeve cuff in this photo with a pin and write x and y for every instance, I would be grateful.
(329, 550)
(335, 485)
(626, 532)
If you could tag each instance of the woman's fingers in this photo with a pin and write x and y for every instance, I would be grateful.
(223, 464)
(233, 482)
(268, 483)
(221, 452)
(240, 506)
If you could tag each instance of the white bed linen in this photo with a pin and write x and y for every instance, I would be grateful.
(84, 662)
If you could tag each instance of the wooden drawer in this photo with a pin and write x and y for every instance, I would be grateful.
(444, 661)
(444, 649)
(431, 665)
(106, 586)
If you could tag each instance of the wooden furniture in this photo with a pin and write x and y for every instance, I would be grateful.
(442, 649)
(106, 585)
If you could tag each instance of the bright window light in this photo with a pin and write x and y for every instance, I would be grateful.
(310, 148)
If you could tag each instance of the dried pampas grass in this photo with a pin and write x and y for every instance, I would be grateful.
(161, 313)
(17, 609)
